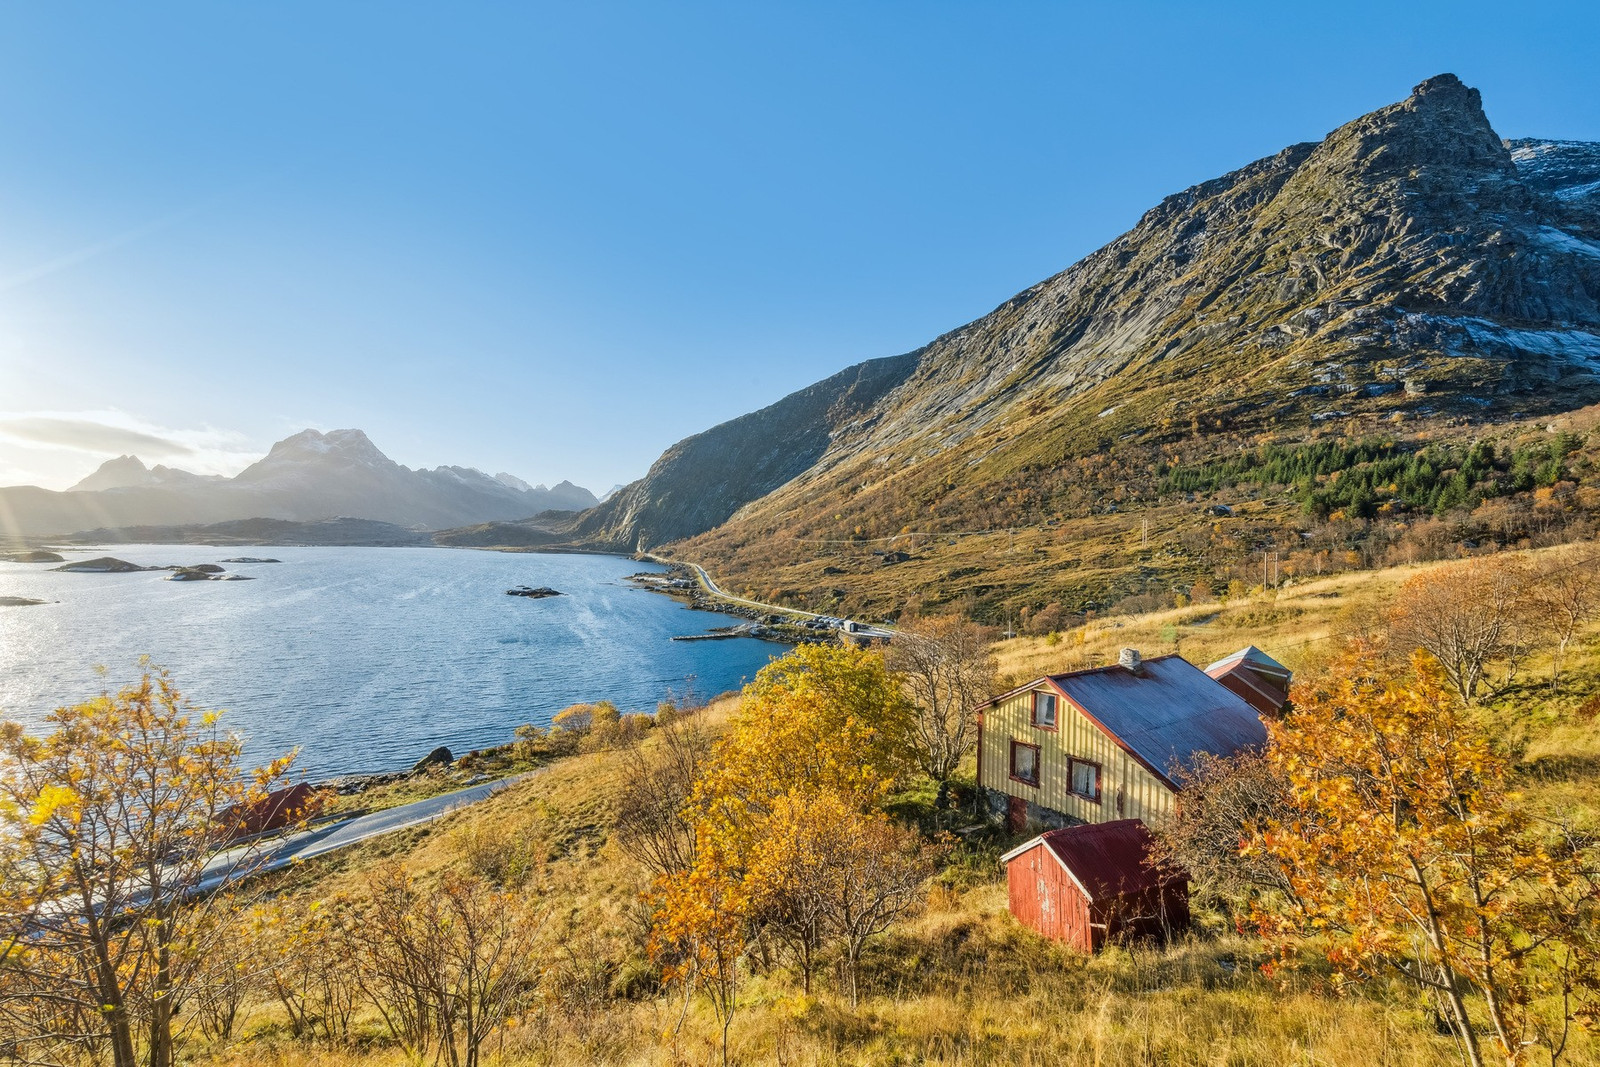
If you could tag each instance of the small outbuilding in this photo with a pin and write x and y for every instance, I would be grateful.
(274, 811)
(1085, 885)
(1259, 679)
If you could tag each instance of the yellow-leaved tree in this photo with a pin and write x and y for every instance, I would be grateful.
(820, 737)
(1405, 852)
(107, 825)
(823, 717)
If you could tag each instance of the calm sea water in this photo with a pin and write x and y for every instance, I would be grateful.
(366, 658)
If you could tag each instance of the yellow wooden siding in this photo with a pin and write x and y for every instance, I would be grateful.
(1142, 794)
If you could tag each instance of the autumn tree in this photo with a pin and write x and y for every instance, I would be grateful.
(107, 825)
(1565, 598)
(308, 954)
(446, 964)
(947, 669)
(1225, 800)
(826, 871)
(1405, 853)
(701, 933)
(821, 718)
(776, 811)
(653, 823)
(1471, 617)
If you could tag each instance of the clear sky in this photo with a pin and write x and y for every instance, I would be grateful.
(553, 239)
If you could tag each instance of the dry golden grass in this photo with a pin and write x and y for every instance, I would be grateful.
(962, 983)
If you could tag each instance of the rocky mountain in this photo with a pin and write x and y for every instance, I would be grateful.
(700, 481)
(308, 477)
(126, 472)
(1411, 266)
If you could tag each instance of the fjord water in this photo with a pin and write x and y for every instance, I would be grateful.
(366, 658)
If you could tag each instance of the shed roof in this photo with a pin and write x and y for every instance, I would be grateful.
(1166, 713)
(1105, 859)
(1253, 657)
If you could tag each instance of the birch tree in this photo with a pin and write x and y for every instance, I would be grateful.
(1405, 853)
(947, 670)
(106, 827)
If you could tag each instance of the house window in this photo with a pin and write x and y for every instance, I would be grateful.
(1085, 779)
(1044, 710)
(1025, 763)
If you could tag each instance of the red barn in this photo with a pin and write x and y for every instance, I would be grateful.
(1086, 884)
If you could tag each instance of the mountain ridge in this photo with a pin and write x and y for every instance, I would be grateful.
(308, 477)
(1402, 274)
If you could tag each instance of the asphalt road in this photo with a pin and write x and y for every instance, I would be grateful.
(273, 855)
(863, 630)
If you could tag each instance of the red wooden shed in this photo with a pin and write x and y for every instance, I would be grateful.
(279, 808)
(1086, 884)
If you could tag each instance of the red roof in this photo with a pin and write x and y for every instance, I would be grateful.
(1105, 859)
(1256, 677)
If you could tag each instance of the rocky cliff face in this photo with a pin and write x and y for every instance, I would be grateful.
(308, 477)
(1411, 265)
(702, 480)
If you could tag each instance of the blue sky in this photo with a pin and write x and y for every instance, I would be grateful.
(553, 239)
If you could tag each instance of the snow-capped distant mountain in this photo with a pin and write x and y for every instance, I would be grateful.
(307, 477)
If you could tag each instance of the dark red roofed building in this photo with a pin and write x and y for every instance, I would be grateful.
(1085, 885)
(279, 808)
(1262, 681)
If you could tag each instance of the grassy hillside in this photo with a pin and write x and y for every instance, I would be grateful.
(960, 982)
(1135, 522)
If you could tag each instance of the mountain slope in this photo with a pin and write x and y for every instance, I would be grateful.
(1411, 269)
(700, 481)
(308, 477)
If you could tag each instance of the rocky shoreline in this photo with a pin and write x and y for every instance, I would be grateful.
(762, 625)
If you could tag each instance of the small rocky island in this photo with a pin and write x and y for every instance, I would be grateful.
(204, 572)
(103, 565)
(19, 602)
(33, 555)
(533, 594)
(199, 572)
(251, 559)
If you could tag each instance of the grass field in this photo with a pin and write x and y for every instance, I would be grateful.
(960, 982)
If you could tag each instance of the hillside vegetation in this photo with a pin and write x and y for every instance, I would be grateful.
(955, 980)
(1326, 341)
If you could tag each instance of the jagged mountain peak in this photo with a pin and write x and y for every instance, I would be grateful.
(1410, 264)
(309, 476)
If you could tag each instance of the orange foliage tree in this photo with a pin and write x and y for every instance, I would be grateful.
(1404, 852)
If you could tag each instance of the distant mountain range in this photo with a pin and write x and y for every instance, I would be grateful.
(307, 478)
(1410, 270)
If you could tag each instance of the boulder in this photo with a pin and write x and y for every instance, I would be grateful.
(438, 757)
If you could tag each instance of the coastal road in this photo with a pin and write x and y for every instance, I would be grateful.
(247, 860)
(706, 583)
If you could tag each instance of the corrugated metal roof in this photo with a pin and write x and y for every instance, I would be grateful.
(1106, 859)
(1252, 656)
(1167, 713)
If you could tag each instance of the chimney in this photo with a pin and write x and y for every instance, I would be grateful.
(1130, 659)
